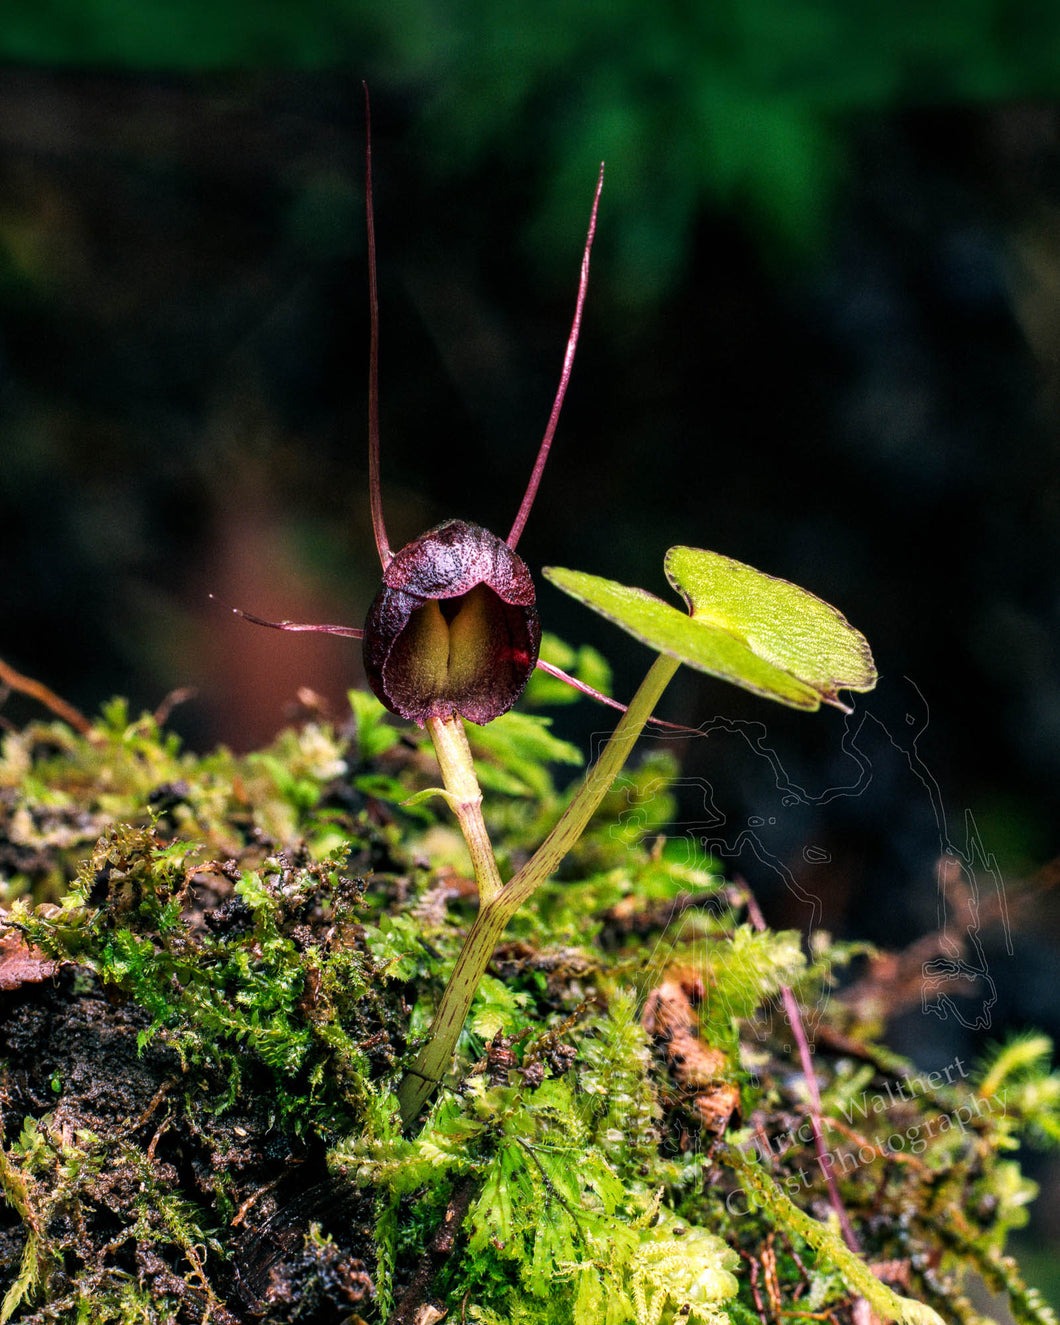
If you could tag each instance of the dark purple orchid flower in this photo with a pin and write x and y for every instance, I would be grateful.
(454, 629)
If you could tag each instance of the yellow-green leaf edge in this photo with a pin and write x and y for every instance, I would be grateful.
(754, 630)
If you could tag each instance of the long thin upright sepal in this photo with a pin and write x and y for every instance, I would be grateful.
(375, 489)
(433, 1060)
(564, 378)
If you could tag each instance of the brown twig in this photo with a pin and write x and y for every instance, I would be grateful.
(864, 1143)
(755, 1294)
(252, 1199)
(768, 1257)
(179, 696)
(37, 690)
(809, 1315)
(438, 1250)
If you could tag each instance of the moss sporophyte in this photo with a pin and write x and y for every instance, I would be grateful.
(453, 635)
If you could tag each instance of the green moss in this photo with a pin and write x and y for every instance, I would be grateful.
(215, 970)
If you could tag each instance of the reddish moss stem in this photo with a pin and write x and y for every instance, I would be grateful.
(798, 1030)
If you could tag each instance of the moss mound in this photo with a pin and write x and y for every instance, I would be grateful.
(212, 971)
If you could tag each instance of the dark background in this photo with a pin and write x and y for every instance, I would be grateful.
(822, 336)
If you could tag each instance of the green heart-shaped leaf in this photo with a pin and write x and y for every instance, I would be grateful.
(752, 629)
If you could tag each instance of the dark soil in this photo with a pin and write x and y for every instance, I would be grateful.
(299, 1246)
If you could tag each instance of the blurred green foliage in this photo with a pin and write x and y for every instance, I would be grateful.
(177, 35)
(747, 104)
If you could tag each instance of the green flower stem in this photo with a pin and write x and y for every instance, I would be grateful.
(434, 1058)
(465, 799)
